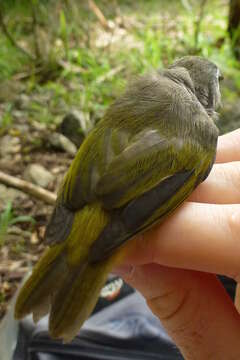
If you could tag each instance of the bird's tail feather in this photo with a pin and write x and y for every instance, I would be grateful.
(82, 287)
(34, 297)
(63, 281)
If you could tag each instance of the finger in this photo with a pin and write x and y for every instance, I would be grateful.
(202, 237)
(201, 329)
(229, 147)
(221, 187)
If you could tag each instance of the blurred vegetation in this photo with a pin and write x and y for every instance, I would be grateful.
(8, 219)
(62, 57)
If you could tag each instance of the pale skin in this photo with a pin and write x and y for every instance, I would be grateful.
(174, 264)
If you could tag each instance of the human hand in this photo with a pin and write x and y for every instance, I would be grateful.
(202, 236)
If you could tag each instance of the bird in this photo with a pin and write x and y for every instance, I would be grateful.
(155, 144)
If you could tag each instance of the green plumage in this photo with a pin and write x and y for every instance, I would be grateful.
(155, 144)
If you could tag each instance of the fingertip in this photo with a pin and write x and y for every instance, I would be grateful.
(227, 145)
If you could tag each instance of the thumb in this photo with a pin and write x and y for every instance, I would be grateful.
(193, 307)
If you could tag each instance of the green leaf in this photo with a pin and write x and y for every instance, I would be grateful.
(7, 219)
(21, 219)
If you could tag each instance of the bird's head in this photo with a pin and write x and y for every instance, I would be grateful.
(205, 76)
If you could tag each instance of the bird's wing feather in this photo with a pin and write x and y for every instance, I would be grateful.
(143, 165)
(140, 179)
(142, 212)
(147, 187)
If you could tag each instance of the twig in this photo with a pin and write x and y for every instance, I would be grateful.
(11, 39)
(198, 23)
(35, 31)
(186, 5)
(76, 69)
(9, 265)
(110, 74)
(39, 69)
(28, 188)
(98, 14)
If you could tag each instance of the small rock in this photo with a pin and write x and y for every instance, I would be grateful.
(22, 128)
(15, 230)
(9, 195)
(61, 142)
(4, 253)
(9, 145)
(37, 174)
(34, 238)
(22, 102)
(59, 169)
(18, 114)
(75, 126)
(14, 132)
(41, 231)
(17, 158)
(6, 286)
(39, 126)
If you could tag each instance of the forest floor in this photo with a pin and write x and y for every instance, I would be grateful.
(77, 64)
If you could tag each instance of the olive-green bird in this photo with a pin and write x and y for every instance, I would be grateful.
(154, 145)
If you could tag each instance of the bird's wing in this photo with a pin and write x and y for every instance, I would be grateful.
(148, 159)
(148, 171)
(146, 182)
